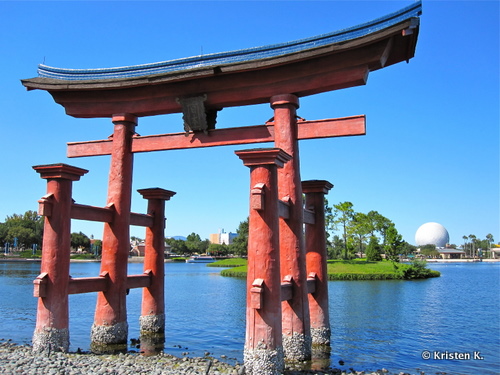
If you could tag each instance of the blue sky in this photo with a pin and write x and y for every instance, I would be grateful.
(431, 152)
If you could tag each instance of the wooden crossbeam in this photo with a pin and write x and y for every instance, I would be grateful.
(309, 217)
(92, 213)
(338, 127)
(140, 281)
(141, 220)
(100, 214)
(88, 285)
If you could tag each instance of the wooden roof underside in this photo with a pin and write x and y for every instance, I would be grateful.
(302, 72)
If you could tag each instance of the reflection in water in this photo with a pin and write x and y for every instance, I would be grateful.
(320, 357)
(365, 312)
(389, 324)
(150, 344)
(14, 272)
(375, 324)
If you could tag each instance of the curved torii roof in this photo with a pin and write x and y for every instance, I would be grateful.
(304, 67)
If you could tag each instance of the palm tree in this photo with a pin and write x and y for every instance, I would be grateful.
(489, 238)
(465, 243)
(472, 240)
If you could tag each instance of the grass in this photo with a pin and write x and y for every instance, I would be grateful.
(240, 271)
(358, 269)
(83, 256)
(362, 270)
(232, 262)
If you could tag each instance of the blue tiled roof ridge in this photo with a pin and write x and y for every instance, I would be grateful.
(236, 56)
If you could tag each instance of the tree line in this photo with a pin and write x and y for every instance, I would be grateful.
(195, 245)
(21, 232)
(474, 246)
(349, 234)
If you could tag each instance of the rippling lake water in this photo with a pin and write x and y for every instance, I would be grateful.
(375, 324)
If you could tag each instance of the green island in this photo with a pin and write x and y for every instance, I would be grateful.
(356, 269)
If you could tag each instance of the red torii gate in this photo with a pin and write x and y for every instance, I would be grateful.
(287, 297)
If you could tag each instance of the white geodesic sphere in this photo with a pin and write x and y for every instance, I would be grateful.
(432, 233)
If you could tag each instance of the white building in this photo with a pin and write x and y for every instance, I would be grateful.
(222, 238)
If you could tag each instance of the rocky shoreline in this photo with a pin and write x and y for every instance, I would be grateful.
(20, 360)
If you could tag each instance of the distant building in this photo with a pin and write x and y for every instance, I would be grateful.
(448, 253)
(495, 253)
(222, 238)
(137, 248)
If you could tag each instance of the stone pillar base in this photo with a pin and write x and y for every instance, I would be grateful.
(109, 339)
(321, 336)
(51, 339)
(262, 361)
(152, 324)
(297, 347)
(152, 328)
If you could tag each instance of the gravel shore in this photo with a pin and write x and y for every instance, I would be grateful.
(20, 360)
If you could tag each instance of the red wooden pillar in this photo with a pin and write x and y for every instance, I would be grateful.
(263, 352)
(152, 320)
(110, 329)
(51, 286)
(316, 257)
(296, 325)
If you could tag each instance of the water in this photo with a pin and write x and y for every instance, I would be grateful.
(392, 323)
(375, 324)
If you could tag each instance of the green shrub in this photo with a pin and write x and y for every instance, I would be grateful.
(360, 269)
(363, 276)
(417, 269)
(29, 254)
(83, 256)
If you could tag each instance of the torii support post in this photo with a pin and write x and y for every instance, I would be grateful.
(263, 353)
(110, 328)
(51, 286)
(152, 320)
(296, 324)
(316, 258)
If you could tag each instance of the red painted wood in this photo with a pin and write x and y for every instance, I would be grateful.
(92, 213)
(140, 281)
(141, 220)
(153, 299)
(52, 310)
(311, 282)
(309, 217)
(104, 214)
(111, 304)
(284, 208)
(263, 325)
(316, 256)
(287, 288)
(295, 311)
(87, 285)
(145, 97)
(339, 127)
(40, 285)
